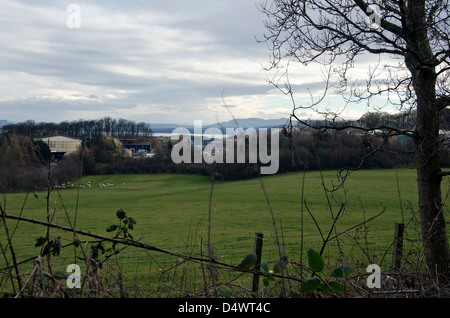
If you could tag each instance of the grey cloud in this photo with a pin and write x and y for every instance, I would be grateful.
(169, 54)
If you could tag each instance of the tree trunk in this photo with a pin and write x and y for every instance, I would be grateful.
(421, 63)
(434, 234)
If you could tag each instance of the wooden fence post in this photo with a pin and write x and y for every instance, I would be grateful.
(398, 245)
(258, 252)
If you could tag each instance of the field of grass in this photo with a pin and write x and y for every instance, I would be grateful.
(168, 207)
(173, 211)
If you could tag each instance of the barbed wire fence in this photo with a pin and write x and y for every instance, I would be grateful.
(193, 270)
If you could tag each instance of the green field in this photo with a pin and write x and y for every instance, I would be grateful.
(178, 212)
(169, 207)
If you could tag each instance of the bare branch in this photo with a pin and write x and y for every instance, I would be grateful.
(443, 102)
(384, 24)
(413, 31)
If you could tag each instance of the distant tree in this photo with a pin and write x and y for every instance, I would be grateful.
(42, 151)
(157, 148)
(411, 40)
(84, 129)
(20, 164)
(106, 150)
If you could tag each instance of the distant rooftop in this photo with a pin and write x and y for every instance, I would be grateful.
(59, 138)
(61, 144)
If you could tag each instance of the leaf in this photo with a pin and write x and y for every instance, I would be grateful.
(129, 222)
(270, 277)
(112, 228)
(280, 266)
(101, 247)
(47, 248)
(337, 287)
(340, 270)
(265, 267)
(121, 214)
(40, 241)
(311, 285)
(315, 261)
(325, 288)
(225, 291)
(248, 262)
(56, 247)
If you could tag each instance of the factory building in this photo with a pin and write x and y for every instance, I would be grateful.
(60, 146)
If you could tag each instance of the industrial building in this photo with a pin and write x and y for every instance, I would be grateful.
(60, 146)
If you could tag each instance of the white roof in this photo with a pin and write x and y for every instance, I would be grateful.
(59, 138)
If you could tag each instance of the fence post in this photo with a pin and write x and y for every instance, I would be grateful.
(258, 252)
(398, 245)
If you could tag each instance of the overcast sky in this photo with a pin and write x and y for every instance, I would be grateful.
(153, 61)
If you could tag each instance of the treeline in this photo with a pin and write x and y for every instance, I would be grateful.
(26, 163)
(80, 128)
(22, 163)
(304, 151)
(25, 160)
(402, 120)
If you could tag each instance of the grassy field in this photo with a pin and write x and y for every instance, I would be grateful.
(168, 208)
(173, 211)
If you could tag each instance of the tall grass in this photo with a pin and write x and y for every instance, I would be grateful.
(202, 222)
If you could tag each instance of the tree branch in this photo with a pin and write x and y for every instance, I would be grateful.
(142, 245)
(443, 102)
(96, 236)
(395, 29)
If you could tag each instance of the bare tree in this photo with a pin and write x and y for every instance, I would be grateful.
(412, 43)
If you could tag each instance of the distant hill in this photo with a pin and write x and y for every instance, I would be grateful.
(241, 122)
(164, 128)
(4, 122)
(252, 122)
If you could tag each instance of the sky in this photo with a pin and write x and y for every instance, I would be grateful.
(171, 61)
